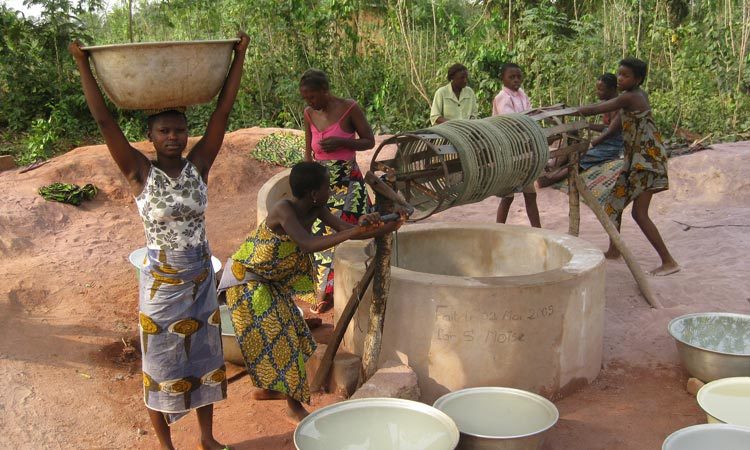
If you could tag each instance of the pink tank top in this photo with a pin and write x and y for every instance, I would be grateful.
(333, 131)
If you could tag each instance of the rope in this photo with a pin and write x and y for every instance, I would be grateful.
(495, 156)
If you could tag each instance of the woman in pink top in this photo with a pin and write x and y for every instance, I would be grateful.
(335, 129)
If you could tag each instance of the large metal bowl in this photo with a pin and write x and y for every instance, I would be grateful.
(232, 352)
(499, 418)
(713, 345)
(376, 424)
(156, 75)
(709, 436)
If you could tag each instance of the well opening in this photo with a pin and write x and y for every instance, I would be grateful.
(487, 253)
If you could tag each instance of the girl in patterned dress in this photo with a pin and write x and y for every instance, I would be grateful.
(271, 270)
(335, 129)
(644, 171)
(183, 363)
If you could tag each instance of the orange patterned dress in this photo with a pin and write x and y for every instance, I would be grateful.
(644, 167)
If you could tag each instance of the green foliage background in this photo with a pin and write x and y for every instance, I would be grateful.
(390, 55)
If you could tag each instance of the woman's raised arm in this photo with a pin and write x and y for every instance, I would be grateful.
(132, 163)
(204, 152)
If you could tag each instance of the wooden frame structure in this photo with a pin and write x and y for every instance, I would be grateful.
(571, 139)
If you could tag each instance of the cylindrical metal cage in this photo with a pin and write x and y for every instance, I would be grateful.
(464, 161)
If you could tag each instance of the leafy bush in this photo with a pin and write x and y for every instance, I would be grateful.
(282, 149)
(390, 56)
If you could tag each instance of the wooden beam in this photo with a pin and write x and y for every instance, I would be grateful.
(577, 148)
(609, 227)
(553, 112)
(381, 286)
(338, 333)
(569, 127)
(574, 202)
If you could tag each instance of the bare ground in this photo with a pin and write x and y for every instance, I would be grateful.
(69, 366)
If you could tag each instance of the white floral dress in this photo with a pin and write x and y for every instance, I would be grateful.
(183, 364)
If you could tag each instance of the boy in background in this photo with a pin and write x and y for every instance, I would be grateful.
(512, 99)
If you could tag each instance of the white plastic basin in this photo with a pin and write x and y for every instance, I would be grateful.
(709, 437)
(138, 259)
(154, 75)
(727, 401)
(376, 424)
(499, 417)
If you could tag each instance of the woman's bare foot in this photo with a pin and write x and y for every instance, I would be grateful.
(665, 269)
(295, 411)
(267, 394)
(211, 444)
(612, 253)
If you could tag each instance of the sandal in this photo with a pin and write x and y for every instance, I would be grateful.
(322, 306)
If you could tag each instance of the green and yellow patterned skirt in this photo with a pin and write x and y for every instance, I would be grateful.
(267, 274)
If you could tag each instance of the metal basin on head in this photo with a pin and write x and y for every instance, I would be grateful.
(485, 305)
(156, 75)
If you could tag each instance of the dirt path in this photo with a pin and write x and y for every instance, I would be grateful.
(69, 377)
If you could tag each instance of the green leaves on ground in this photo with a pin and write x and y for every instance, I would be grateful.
(68, 193)
(282, 149)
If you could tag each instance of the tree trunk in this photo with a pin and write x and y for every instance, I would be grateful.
(380, 285)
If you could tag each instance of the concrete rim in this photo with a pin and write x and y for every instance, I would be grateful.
(584, 257)
(262, 197)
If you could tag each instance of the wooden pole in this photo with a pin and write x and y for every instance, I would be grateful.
(338, 333)
(381, 285)
(609, 227)
(574, 204)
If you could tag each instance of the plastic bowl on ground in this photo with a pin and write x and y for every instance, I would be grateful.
(727, 401)
(709, 436)
(499, 417)
(138, 259)
(232, 352)
(713, 345)
(156, 75)
(376, 424)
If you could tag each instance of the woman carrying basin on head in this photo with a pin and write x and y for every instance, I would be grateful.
(183, 364)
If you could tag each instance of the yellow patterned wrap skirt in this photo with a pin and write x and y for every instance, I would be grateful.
(267, 274)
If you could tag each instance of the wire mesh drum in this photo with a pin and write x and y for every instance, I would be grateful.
(464, 161)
